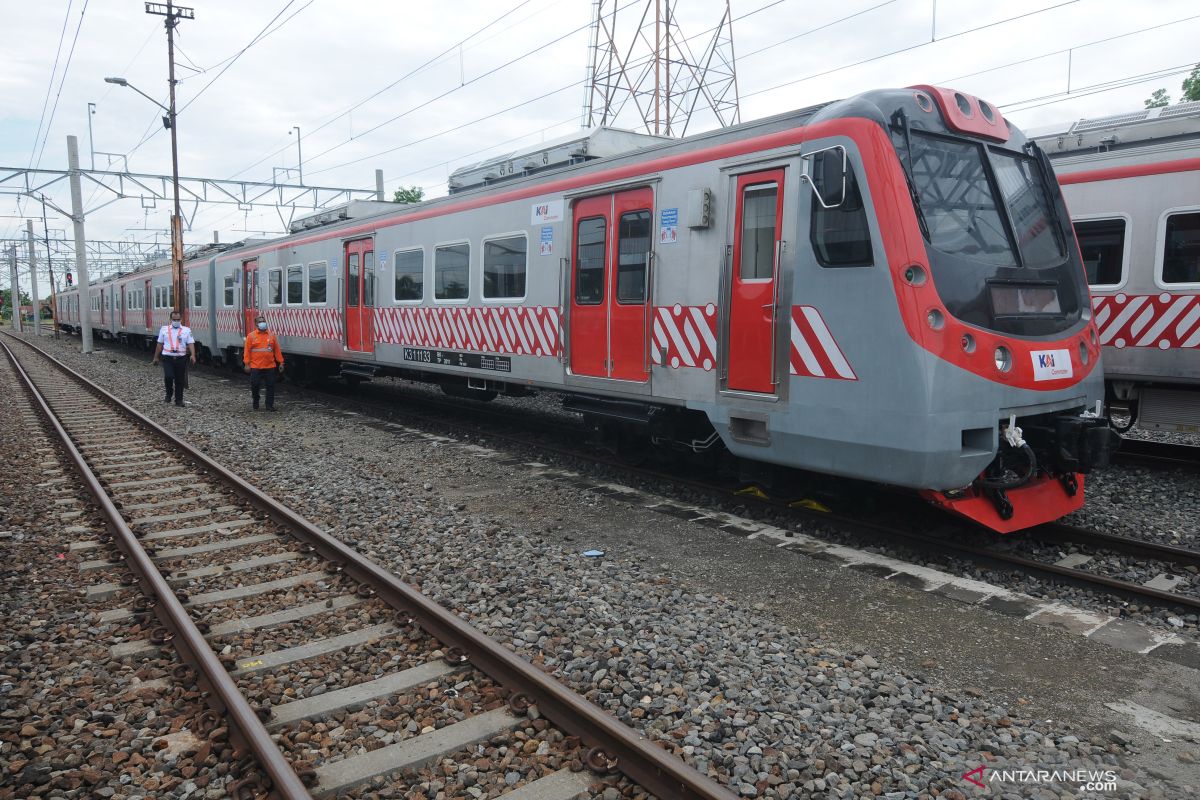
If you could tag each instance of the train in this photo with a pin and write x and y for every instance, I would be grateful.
(1132, 183)
(883, 288)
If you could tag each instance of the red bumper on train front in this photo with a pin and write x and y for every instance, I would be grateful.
(1043, 499)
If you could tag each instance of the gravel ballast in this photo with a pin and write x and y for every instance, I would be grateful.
(769, 709)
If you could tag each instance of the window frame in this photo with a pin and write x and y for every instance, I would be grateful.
(197, 293)
(228, 290)
(1126, 247)
(287, 284)
(483, 269)
(648, 269)
(574, 269)
(274, 271)
(323, 264)
(454, 301)
(424, 262)
(1160, 254)
(777, 223)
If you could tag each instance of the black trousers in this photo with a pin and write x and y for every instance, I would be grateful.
(257, 378)
(175, 376)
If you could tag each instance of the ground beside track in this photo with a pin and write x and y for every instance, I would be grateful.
(749, 636)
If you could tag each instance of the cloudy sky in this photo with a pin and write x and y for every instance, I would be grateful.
(418, 88)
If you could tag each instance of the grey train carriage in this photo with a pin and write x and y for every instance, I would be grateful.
(1132, 182)
(883, 288)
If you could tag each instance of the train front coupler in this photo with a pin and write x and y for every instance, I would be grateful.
(1038, 472)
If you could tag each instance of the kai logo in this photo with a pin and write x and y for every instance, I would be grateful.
(549, 211)
(1052, 365)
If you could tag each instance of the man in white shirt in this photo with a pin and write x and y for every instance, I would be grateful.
(175, 346)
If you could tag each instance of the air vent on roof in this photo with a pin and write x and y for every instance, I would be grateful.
(1180, 110)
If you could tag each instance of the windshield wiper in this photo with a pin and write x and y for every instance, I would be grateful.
(900, 120)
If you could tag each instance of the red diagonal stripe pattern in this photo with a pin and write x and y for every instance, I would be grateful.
(685, 336)
(508, 330)
(815, 353)
(1165, 321)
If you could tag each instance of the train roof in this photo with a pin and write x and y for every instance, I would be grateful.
(1162, 128)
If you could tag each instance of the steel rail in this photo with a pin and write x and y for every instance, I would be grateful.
(1062, 532)
(190, 643)
(624, 749)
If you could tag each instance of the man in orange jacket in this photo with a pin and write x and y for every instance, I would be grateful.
(260, 356)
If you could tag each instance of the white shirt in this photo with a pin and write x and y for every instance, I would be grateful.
(174, 341)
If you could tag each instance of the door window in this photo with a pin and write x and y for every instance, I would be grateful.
(352, 281)
(758, 232)
(589, 261)
(369, 279)
(633, 248)
(410, 275)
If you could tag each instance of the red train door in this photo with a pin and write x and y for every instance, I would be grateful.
(148, 307)
(102, 306)
(610, 302)
(754, 287)
(123, 300)
(249, 294)
(359, 295)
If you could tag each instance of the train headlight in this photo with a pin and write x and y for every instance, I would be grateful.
(1003, 358)
(1093, 333)
(1083, 353)
(935, 319)
(968, 343)
(914, 276)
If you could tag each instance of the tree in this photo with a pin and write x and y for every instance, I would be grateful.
(409, 194)
(1191, 86)
(1159, 99)
(4, 298)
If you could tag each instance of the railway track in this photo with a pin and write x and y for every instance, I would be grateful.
(1160, 455)
(403, 684)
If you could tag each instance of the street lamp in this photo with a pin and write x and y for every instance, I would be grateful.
(176, 226)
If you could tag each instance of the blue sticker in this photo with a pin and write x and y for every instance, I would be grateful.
(668, 217)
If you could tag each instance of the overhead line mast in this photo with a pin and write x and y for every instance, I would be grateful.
(173, 14)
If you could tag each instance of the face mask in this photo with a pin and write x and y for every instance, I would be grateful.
(176, 323)
(262, 326)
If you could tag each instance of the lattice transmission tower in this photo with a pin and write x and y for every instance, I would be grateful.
(641, 63)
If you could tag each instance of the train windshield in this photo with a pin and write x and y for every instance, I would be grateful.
(996, 243)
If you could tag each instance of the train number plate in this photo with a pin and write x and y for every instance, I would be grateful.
(450, 358)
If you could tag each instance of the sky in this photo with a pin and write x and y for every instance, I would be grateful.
(418, 88)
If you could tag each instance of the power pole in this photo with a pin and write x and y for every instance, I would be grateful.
(15, 299)
(50, 269)
(81, 272)
(37, 306)
(174, 13)
(647, 60)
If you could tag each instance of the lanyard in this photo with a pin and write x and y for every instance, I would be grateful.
(174, 341)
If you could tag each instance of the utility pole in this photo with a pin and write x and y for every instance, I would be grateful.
(379, 186)
(50, 269)
(174, 13)
(81, 273)
(299, 155)
(37, 306)
(15, 299)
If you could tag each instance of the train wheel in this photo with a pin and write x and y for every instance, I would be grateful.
(1121, 419)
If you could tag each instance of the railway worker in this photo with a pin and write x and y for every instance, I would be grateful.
(260, 357)
(175, 348)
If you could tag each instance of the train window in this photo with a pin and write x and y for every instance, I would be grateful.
(1024, 191)
(369, 279)
(295, 285)
(841, 236)
(197, 294)
(633, 249)
(1102, 243)
(957, 202)
(410, 275)
(275, 287)
(504, 268)
(228, 291)
(450, 275)
(316, 283)
(758, 232)
(589, 261)
(1181, 249)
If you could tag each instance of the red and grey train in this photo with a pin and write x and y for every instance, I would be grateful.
(1132, 182)
(884, 288)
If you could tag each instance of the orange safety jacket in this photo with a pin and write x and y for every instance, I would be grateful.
(262, 351)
